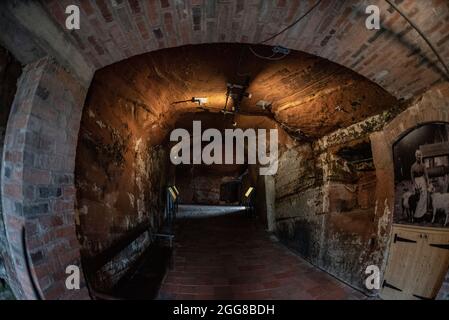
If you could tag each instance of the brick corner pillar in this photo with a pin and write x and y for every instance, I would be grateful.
(38, 191)
(431, 107)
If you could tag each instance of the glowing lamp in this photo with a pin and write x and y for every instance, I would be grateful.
(249, 191)
(200, 101)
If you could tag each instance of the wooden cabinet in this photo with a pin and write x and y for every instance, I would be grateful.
(417, 263)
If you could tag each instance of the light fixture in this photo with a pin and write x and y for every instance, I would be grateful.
(282, 50)
(236, 92)
(176, 190)
(249, 191)
(264, 105)
(340, 109)
(200, 101)
(172, 193)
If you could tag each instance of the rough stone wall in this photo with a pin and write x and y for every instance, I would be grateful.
(120, 179)
(202, 188)
(251, 177)
(325, 207)
(336, 209)
(10, 71)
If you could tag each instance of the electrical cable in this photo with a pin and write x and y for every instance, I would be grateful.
(292, 24)
(266, 58)
(281, 32)
(273, 56)
(422, 35)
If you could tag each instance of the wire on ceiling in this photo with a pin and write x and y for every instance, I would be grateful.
(277, 49)
(272, 57)
(292, 24)
(422, 35)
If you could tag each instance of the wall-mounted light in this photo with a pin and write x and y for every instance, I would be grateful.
(172, 193)
(200, 101)
(264, 105)
(249, 191)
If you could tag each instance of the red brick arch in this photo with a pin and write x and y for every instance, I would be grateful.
(38, 173)
(334, 30)
(38, 180)
(37, 186)
(39, 161)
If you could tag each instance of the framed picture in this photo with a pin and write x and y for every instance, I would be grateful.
(421, 165)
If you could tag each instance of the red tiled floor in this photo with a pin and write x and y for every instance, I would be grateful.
(231, 257)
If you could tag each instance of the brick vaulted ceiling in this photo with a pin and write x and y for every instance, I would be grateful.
(395, 57)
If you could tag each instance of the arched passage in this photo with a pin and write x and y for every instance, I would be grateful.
(38, 190)
(133, 106)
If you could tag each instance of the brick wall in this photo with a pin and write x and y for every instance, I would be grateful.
(37, 179)
(202, 188)
(10, 71)
(395, 57)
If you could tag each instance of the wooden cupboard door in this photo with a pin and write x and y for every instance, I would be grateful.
(433, 264)
(417, 263)
(402, 264)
